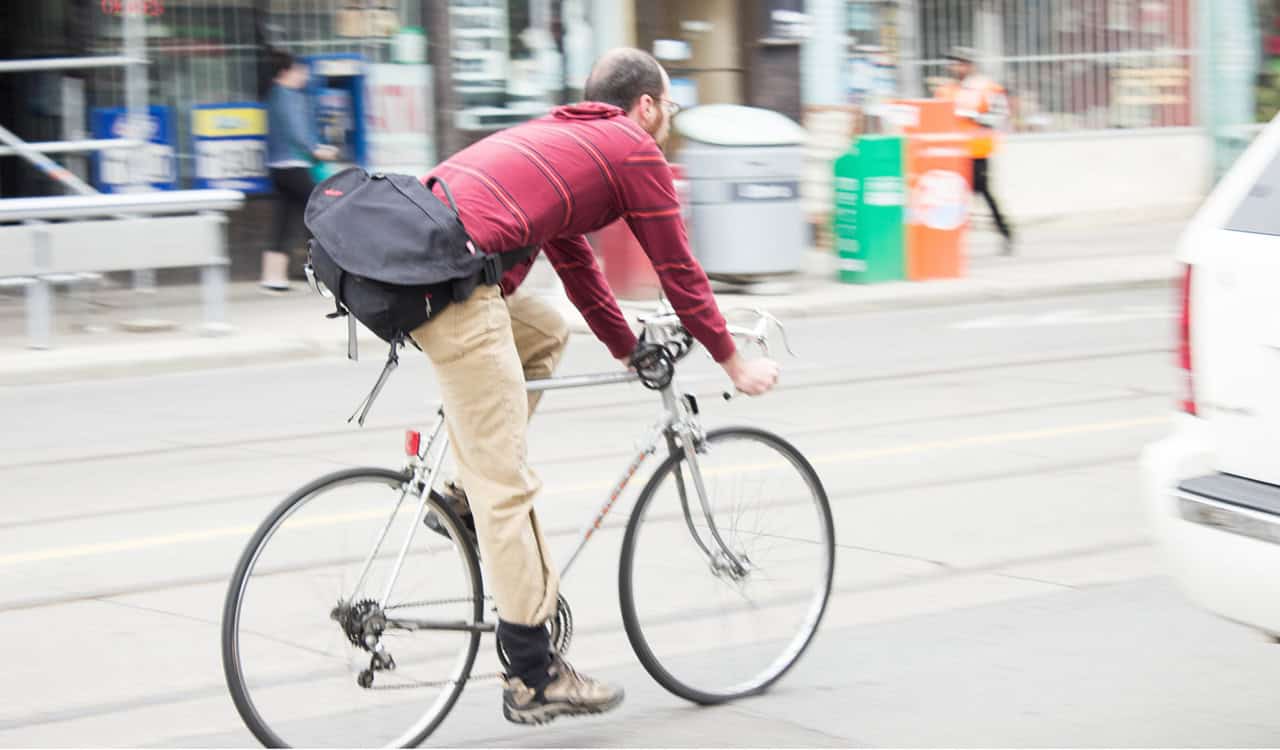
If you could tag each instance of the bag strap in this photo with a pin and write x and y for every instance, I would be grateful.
(496, 265)
(514, 258)
(353, 351)
(447, 192)
(393, 361)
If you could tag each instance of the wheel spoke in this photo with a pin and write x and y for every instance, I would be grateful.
(705, 629)
(307, 558)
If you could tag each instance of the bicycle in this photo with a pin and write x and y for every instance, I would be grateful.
(312, 647)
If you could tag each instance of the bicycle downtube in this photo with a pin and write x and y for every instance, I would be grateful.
(650, 448)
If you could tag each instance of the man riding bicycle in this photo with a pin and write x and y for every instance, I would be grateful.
(544, 184)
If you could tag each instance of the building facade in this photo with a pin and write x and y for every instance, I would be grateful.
(399, 84)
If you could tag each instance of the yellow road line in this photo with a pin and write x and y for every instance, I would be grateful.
(168, 540)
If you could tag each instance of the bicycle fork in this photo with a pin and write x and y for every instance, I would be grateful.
(722, 559)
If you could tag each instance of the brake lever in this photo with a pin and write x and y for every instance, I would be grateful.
(760, 337)
(760, 331)
(786, 341)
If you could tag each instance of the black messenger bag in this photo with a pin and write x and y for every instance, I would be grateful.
(392, 255)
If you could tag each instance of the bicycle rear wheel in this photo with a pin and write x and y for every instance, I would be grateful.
(706, 630)
(294, 634)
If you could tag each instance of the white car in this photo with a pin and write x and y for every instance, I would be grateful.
(1213, 486)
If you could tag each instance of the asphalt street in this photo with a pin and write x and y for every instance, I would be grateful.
(996, 583)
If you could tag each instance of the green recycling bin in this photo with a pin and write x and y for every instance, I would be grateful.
(870, 197)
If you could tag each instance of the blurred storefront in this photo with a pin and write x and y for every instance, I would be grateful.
(448, 70)
(396, 83)
(1069, 65)
(1111, 84)
(1268, 89)
(399, 83)
(727, 51)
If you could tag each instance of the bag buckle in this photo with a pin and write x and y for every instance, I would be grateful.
(492, 269)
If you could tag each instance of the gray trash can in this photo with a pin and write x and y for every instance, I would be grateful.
(744, 167)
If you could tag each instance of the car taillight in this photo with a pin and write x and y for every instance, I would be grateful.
(412, 442)
(1188, 404)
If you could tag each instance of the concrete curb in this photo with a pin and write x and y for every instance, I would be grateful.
(173, 355)
(193, 352)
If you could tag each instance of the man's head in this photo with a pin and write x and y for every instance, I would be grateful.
(634, 81)
(962, 62)
(287, 70)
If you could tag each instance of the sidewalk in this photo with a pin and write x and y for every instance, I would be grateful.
(91, 340)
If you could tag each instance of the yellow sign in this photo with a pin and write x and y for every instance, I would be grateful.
(230, 121)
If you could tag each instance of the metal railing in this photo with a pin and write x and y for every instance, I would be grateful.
(68, 63)
(73, 147)
(162, 203)
(35, 153)
(51, 240)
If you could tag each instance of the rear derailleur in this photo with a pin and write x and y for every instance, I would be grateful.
(363, 623)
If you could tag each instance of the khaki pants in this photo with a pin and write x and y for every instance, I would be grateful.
(482, 351)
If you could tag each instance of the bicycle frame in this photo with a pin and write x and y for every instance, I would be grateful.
(678, 424)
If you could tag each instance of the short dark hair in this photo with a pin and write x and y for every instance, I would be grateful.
(623, 76)
(281, 61)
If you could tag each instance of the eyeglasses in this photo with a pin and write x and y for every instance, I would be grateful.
(669, 106)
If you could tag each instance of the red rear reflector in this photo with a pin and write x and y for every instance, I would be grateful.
(1188, 403)
(412, 442)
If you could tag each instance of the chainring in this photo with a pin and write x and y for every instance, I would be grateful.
(561, 626)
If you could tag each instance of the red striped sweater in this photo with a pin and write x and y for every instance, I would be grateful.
(549, 181)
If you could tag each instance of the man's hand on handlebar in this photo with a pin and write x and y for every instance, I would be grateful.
(753, 377)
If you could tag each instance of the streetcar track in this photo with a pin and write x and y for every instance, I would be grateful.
(176, 446)
(837, 498)
(170, 697)
(581, 458)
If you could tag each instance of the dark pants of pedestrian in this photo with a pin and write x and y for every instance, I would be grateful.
(293, 187)
(982, 186)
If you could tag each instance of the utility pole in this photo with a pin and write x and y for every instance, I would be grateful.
(137, 114)
(909, 66)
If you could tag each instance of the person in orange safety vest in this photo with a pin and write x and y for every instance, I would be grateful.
(981, 107)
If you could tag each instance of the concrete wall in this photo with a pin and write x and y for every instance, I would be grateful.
(1049, 176)
(1041, 177)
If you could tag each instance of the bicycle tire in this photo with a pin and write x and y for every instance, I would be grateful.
(626, 573)
(232, 668)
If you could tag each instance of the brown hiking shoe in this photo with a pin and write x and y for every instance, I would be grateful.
(567, 694)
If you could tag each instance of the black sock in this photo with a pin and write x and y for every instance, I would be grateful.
(528, 650)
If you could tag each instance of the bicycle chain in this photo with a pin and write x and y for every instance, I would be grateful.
(437, 683)
(435, 602)
(417, 684)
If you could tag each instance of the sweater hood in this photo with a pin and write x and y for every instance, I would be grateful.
(587, 111)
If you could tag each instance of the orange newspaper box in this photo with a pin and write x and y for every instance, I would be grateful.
(939, 175)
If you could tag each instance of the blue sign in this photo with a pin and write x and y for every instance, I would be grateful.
(153, 164)
(231, 147)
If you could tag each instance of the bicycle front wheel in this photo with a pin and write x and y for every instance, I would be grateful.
(313, 654)
(717, 619)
